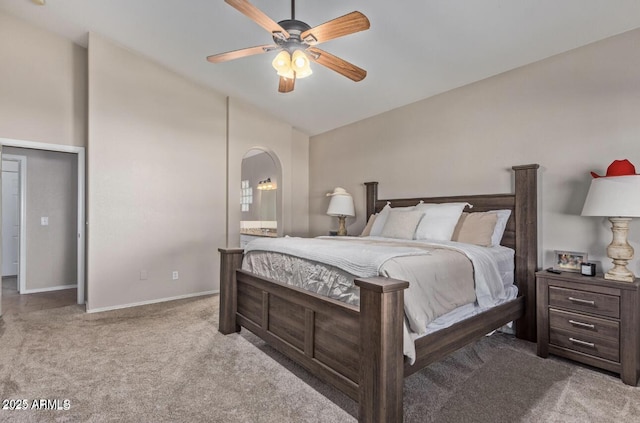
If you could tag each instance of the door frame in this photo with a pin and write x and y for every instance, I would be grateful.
(22, 180)
(80, 151)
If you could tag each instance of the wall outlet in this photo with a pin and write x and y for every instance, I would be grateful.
(175, 275)
(44, 221)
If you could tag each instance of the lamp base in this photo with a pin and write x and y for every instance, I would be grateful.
(620, 251)
(342, 229)
(620, 277)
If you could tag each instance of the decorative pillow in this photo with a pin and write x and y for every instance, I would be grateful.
(376, 228)
(439, 220)
(501, 225)
(401, 224)
(475, 228)
(367, 229)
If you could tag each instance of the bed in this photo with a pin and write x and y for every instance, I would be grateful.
(359, 349)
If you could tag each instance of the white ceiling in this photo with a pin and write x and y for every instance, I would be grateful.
(414, 49)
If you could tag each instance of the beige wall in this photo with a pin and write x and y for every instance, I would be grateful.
(156, 157)
(51, 191)
(156, 162)
(571, 113)
(43, 94)
(251, 128)
(299, 184)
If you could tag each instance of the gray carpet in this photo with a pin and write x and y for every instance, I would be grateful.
(167, 363)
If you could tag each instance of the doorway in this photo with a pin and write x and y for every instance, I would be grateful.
(79, 153)
(13, 217)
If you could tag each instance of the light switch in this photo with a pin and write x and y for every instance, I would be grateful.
(44, 221)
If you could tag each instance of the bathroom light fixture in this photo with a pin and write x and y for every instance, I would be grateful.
(267, 185)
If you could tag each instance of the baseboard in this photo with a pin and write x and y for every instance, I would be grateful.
(51, 288)
(159, 300)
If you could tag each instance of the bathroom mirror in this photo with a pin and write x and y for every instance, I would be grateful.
(259, 194)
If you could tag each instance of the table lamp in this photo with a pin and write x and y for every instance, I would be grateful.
(341, 205)
(616, 196)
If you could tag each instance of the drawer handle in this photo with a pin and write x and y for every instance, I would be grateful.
(583, 343)
(584, 325)
(581, 301)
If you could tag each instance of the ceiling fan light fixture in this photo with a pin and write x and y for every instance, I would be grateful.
(300, 64)
(282, 64)
(289, 75)
(295, 41)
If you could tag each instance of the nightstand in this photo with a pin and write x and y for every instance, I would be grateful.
(591, 320)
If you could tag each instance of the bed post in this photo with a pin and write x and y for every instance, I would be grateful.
(230, 261)
(381, 357)
(372, 197)
(526, 213)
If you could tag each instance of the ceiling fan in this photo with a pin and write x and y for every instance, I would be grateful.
(297, 42)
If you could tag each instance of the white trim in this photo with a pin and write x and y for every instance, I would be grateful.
(80, 151)
(51, 288)
(22, 174)
(82, 225)
(141, 303)
(8, 142)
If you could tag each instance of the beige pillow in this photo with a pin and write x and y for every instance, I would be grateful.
(401, 224)
(367, 229)
(475, 228)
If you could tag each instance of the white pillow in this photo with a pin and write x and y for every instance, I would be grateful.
(501, 225)
(376, 228)
(439, 220)
(401, 224)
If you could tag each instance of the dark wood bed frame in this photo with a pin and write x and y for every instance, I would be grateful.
(358, 350)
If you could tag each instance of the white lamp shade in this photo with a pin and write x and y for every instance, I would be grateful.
(341, 205)
(615, 196)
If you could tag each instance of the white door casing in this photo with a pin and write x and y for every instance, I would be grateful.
(81, 224)
(10, 217)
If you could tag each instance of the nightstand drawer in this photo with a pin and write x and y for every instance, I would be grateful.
(583, 325)
(591, 345)
(589, 302)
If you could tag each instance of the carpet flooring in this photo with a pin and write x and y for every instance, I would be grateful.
(167, 363)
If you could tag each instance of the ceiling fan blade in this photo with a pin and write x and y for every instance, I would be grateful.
(336, 64)
(338, 27)
(286, 85)
(256, 15)
(236, 54)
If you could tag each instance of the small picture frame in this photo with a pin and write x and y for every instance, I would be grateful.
(569, 261)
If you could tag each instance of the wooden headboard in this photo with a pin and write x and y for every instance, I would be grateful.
(521, 232)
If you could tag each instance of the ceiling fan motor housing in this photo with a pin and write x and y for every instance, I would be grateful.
(294, 28)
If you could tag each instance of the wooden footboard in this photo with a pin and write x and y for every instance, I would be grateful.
(358, 350)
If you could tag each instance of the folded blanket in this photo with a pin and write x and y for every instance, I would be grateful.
(360, 259)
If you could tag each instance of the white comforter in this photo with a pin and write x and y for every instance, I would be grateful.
(441, 274)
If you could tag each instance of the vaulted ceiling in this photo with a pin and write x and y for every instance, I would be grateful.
(414, 49)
